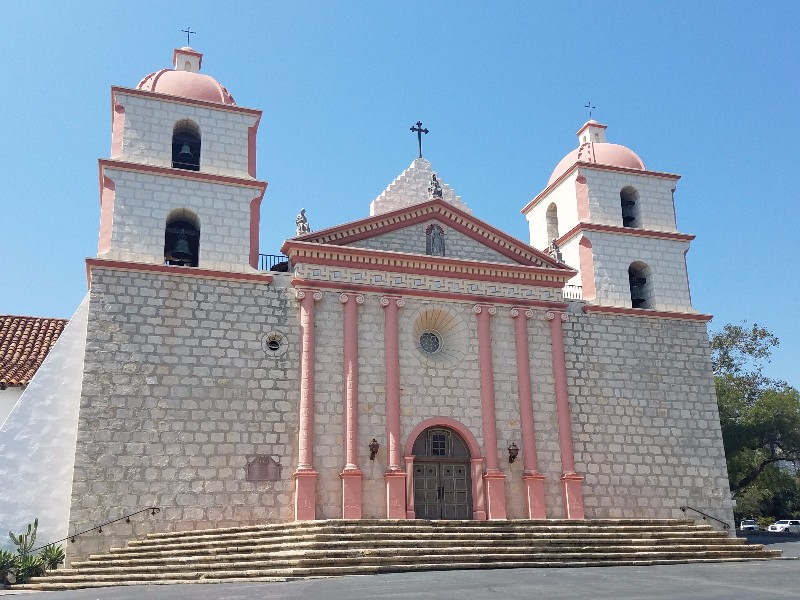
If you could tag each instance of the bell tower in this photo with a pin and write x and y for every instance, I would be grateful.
(180, 186)
(606, 215)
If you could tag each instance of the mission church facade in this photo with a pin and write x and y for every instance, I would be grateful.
(417, 363)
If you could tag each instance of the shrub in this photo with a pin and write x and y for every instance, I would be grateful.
(28, 566)
(52, 556)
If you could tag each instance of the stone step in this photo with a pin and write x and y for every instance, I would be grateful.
(87, 581)
(400, 545)
(346, 556)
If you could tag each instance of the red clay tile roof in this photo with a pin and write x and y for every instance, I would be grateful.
(24, 343)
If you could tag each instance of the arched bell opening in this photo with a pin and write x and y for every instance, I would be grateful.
(641, 285)
(442, 477)
(182, 239)
(631, 213)
(186, 146)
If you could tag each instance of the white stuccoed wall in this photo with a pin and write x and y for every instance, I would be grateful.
(563, 196)
(8, 398)
(37, 440)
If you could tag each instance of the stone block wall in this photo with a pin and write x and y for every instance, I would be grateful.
(413, 240)
(179, 393)
(142, 203)
(645, 418)
(668, 279)
(655, 202)
(149, 124)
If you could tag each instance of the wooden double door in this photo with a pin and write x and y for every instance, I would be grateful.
(442, 490)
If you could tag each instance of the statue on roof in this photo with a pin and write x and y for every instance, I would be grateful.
(435, 188)
(302, 223)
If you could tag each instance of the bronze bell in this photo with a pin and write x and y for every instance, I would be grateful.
(181, 250)
(185, 152)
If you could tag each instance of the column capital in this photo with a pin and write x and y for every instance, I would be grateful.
(300, 294)
(345, 296)
(519, 310)
(386, 300)
(479, 308)
(551, 314)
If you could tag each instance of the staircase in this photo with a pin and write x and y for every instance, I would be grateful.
(284, 551)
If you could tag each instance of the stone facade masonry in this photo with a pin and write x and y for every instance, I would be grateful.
(179, 392)
(412, 240)
(645, 419)
(411, 187)
(142, 203)
(149, 124)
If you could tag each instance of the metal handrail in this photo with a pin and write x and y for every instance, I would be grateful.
(127, 518)
(705, 516)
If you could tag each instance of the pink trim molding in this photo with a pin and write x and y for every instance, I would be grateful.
(107, 196)
(305, 475)
(573, 496)
(494, 478)
(534, 481)
(119, 265)
(106, 163)
(255, 220)
(117, 129)
(646, 312)
(394, 476)
(180, 100)
(352, 499)
(586, 259)
(582, 196)
(648, 233)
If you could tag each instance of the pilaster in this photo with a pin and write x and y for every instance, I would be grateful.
(352, 496)
(395, 476)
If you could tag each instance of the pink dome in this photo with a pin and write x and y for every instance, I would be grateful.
(601, 153)
(186, 85)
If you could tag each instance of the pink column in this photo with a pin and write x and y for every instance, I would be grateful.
(570, 480)
(352, 498)
(395, 475)
(494, 478)
(532, 478)
(305, 490)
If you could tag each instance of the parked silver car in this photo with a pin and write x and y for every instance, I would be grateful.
(785, 526)
(749, 525)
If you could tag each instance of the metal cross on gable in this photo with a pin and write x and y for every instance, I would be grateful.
(188, 31)
(591, 108)
(419, 131)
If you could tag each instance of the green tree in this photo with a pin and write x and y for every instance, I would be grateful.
(760, 420)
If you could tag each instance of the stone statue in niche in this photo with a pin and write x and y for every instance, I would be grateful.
(435, 188)
(435, 241)
(554, 251)
(302, 223)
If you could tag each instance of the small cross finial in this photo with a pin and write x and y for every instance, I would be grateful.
(591, 108)
(419, 131)
(188, 31)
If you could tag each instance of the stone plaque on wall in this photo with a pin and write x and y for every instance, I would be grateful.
(263, 468)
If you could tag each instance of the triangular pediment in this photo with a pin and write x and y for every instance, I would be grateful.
(404, 231)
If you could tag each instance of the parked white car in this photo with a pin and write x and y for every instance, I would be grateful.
(748, 525)
(785, 526)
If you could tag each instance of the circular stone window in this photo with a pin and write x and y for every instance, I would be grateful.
(274, 344)
(430, 342)
(439, 334)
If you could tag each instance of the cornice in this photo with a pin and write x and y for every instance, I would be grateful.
(348, 256)
(618, 229)
(597, 167)
(121, 165)
(121, 265)
(455, 218)
(645, 313)
(187, 101)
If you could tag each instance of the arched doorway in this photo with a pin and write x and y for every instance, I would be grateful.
(442, 482)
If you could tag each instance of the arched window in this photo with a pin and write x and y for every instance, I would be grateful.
(186, 146)
(434, 240)
(631, 215)
(182, 239)
(552, 223)
(641, 286)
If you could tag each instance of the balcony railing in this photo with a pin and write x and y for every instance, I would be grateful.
(573, 292)
(273, 262)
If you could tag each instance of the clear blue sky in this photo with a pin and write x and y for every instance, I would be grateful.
(708, 90)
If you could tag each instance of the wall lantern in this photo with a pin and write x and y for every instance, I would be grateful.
(374, 446)
(513, 452)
